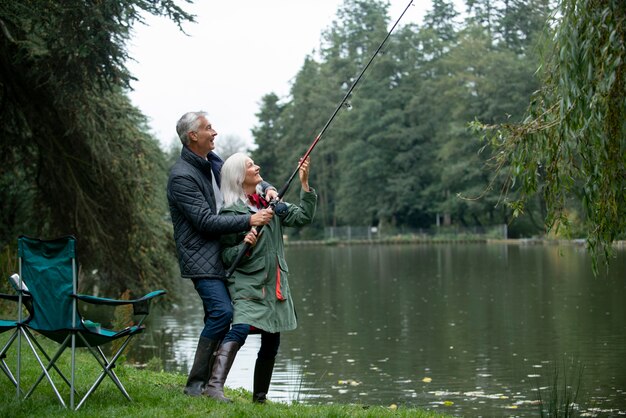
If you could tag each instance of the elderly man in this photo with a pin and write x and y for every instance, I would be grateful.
(194, 200)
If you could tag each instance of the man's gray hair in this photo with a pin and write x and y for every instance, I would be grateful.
(189, 122)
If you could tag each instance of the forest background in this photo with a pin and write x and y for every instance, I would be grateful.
(506, 112)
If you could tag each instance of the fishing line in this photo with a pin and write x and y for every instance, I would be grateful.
(319, 136)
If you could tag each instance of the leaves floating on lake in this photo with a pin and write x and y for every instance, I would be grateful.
(349, 382)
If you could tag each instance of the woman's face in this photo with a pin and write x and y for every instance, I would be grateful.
(252, 177)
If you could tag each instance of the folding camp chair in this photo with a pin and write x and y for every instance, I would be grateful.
(48, 268)
(13, 325)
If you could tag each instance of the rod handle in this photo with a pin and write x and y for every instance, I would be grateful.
(240, 255)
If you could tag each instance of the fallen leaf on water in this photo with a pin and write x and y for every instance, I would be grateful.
(350, 382)
(427, 380)
(448, 403)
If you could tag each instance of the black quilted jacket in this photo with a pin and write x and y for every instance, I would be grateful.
(197, 227)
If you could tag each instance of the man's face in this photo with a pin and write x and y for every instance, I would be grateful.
(203, 140)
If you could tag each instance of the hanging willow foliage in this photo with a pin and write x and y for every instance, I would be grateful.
(76, 155)
(571, 147)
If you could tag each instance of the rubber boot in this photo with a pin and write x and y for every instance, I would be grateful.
(202, 366)
(263, 369)
(224, 359)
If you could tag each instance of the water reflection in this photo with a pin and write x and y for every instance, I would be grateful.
(472, 329)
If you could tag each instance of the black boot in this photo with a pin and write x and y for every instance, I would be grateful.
(263, 369)
(223, 361)
(202, 366)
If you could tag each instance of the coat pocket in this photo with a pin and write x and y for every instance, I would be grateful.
(282, 286)
(251, 266)
(249, 280)
(282, 263)
(244, 287)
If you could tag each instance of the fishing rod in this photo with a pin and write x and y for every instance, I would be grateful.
(285, 187)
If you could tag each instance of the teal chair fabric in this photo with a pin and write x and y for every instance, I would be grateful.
(7, 325)
(49, 270)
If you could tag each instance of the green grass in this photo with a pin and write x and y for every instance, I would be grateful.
(155, 394)
(559, 399)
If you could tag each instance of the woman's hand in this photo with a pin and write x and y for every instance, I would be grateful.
(304, 174)
(251, 237)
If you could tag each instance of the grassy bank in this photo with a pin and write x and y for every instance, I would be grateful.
(157, 394)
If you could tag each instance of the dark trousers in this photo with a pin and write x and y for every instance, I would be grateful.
(269, 341)
(218, 309)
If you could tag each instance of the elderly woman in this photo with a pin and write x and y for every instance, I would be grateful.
(259, 286)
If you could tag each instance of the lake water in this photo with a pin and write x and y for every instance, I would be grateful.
(467, 329)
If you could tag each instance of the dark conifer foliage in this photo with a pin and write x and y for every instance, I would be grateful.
(76, 155)
(401, 154)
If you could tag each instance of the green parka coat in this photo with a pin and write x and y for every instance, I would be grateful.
(259, 286)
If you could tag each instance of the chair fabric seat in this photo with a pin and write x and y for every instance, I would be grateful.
(6, 325)
(94, 338)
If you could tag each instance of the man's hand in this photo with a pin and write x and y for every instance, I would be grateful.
(262, 217)
(271, 194)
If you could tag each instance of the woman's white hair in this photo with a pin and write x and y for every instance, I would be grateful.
(233, 175)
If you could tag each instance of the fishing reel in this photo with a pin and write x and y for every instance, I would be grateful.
(280, 208)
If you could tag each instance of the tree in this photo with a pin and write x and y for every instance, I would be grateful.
(267, 135)
(78, 153)
(570, 147)
(440, 21)
(230, 144)
(314, 94)
(520, 22)
(400, 151)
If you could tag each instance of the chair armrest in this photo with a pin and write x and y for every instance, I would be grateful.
(9, 297)
(26, 301)
(15, 298)
(108, 301)
(140, 306)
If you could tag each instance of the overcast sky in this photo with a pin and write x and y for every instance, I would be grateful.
(237, 52)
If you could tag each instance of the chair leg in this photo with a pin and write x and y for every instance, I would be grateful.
(5, 368)
(51, 363)
(224, 359)
(45, 369)
(107, 369)
(3, 365)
